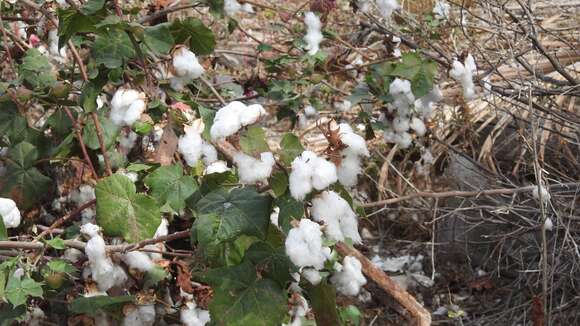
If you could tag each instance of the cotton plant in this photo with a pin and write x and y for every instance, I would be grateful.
(313, 32)
(10, 213)
(193, 147)
(304, 245)
(340, 222)
(309, 172)
(185, 68)
(191, 315)
(252, 170)
(127, 106)
(463, 73)
(350, 165)
(298, 309)
(348, 279)
(103, 271)
(232, 117)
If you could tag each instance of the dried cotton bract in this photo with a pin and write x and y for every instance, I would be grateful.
(304, 245)
(463, 73)
(340, 221)
(229, 119)
(349, 279)
(252, 170)
(185, 68)
(310, 171)
(10, 213)
(313, 35)
(127, 106)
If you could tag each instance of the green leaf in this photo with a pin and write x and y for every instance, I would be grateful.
(113, 49)
(18, 290)
(419, 71)
(56, 243)
(323, 300)
(123, 212)
(93, 305)
(240, 211)
(91, 91)
(243, 298)
(169, 185)
(61, 266)
(23, 182)
(110, 132)
(201, 38)
(350, 315)
(71, 22)
(3, 231)
(158, 38)
(59, 122)
(8, 315)
(138, 167)
(92, 6)
(253, 141)
(36, 70)
(279, 183)
(14, 127)
(207, 115)
(290, 209)
(290, 147)
(272, 262)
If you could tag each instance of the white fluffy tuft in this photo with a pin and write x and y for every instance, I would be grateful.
(340, 221)
(463, 73)
(304, 245)
(313, 34)
(9, 212)
(186, 68)
(229, 119)
(252, 170)
(349, 279)
(310, 171)
(193, 316)
(127, 106)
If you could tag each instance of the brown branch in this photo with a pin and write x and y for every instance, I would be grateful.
(166, 11)
(421, 316)
(99, 130)
(65, 218)
(5, 39)
(79, 136)
(457, 193)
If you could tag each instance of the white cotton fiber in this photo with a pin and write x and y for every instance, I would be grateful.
(84, 194)
(252, 170)
(386, 7)
(310, 111)
(217, 167)
(340, 222)
(418, 126)
(343, 106)
(10, 213)
(313, 34)
(310, 171)
(192, 147)
(312, 275)
(127, 106)
(424, 105)
(186, 68)
(441, 9)
(548, 224)
(350, 165)
(232, 7)
(304, 245)
(349, 170)
(229, 119)
(138, 260)
(350, 279)
(193, 316)
(403, 97)
(127, 141)
(545, 194)
(143, 315)
(463, 73)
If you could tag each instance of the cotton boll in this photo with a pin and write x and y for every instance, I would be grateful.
(356, 144)
(186, 68)
(300, 182)
(386, 7)
(402, 95)
(548, 224)
(247, 8)
(313, 34)
(418, 126)
(193, 316)
(251, 114)
(73, 255)
(252, 170)
(339, 220)
(127, 141)
(304, 245)
(143, 315)
(10, 213)
(312, 276)
(190, 146)
(133, 176)
(350, 279)
(227, 120)
(138, 260)
(209, 153)
(343, 106)
(127, 106)
(424, 105)
(231, 7)
(324, 174)
(274, 216)
(401, 124)
(441, 9)
(217, 167)
(404, 140)
(162, 229)
(349, 170)
(363, 5)
(463, 73)
(82, 195)
(310, 111)
(541, 192)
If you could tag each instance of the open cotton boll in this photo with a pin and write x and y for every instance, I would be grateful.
(363, 5)
(304, 245)
(356, 144)
(186, 68)
(350, 279)
(324, 174)
(339, 220)
(217, 167)
(274, 216)
(229, 119)
(193, 316)
(251, 114)
(441, 9)
(138, 260)
(190, 146)
(548, 224)
(343, 106)
(73, 255)
(541, 192)
(419, 127)
(247, 8)
(404, 140)
(9, 212)
(310, 111)
(231, 7)
(403, 97)
(310, 171)
(401, 124)
(252, 170)
(313, 34)
(143, 315)
(386, 7)
(424, 105)
(209, 153)
(127, 106)
(312, 275)
(82, 195)
(349, 170)
(463, 73)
